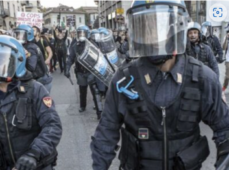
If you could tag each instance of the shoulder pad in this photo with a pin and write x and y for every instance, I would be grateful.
(25, 86)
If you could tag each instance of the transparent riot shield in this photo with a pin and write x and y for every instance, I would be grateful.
(114, 59)
(95, 62)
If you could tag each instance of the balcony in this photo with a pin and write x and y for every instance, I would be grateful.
(29, 5)
(96, 2)
(23, 3)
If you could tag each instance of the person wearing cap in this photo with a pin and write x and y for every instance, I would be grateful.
(225, 48)
(198, 49)
(158, 101)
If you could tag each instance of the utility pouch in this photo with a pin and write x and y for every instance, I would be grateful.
(129, 153)
(23, 116)
(193, 157)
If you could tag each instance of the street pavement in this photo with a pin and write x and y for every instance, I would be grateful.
(74, 148)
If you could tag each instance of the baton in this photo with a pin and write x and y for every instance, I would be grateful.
(70, 80)
(224, 165)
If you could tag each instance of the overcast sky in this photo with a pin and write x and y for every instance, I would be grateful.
(73, 3)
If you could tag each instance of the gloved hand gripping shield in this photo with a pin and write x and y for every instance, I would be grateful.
(95, 62)
(157, 30)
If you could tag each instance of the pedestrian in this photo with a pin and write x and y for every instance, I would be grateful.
(198, 49)
(34, 58)
(31, 128)
(43, 45)
(60, 47)
(52, 45)
(226, 47)
(212, 41)
(45, 37)
(159, 99)
(73, 36)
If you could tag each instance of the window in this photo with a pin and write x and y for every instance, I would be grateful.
(18, 8)
(64, 19)
(79, 19)
(8, 4)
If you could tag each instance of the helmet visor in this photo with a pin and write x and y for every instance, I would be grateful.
(95, 37)
(7, 62)
(20, 35)
(106, 42)
(159, 30)
(81, 33)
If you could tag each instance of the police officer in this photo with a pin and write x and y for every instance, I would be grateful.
(30, 126)
(213, 41)
(34, 58)
(160, 98)
(83, 76)
(199, 50)
(94, 38)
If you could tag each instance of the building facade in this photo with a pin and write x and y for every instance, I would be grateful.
(91, 15)
(64, 16)
(9, 11)
(199, 12)
(108, 13)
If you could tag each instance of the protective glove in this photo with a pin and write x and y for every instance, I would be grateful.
(26, 162)
(220, 60)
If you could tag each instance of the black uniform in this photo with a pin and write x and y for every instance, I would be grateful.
(30, 124)
(35, 64)
(215, 45)
(61, 50)
(162, 126)
(54, 58)
(203, 53)
(84, 78)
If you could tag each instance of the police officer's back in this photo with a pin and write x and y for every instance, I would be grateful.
(169, 95)
(30, 126)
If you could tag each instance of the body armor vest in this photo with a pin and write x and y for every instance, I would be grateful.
(202, 54)
(211, 43)
(160, 133)
(19, 126)
(79, 49)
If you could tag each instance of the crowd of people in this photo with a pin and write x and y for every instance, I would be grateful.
(159, 78)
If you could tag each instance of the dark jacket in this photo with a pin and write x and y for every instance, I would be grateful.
(185, 105)
(29, 118)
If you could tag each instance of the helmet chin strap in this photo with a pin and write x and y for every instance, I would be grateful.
(8, 79)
